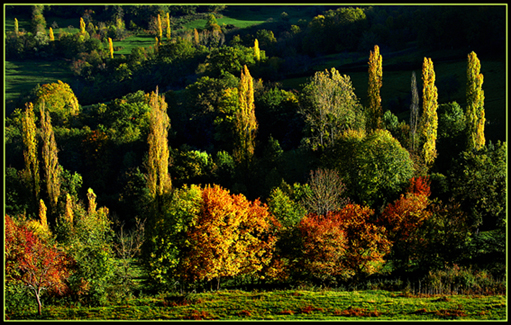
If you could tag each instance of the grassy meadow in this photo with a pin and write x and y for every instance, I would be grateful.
(287, 305)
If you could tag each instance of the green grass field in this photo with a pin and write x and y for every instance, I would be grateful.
(287, 305)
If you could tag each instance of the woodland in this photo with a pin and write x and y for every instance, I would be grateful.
(171, 151)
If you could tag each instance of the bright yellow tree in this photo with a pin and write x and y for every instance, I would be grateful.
(158, 178)
(30, 153)
(429, 120)
(59, 100)
(111, 48)
(51, 165)
(373, 92)
(245, 120)
(168, 27)
(257, 51)
(475, 104)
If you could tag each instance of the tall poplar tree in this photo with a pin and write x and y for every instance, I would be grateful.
(52, 37)
(30, 153)
(111, 48)
(160, 31)
(373, 92)
(257, 51)
(475, 104)
(82, 26)
(414, 113)
(429, 120)
(158, 178)
(168, 27)
(16, 27)
(245, 121)
(51, 165)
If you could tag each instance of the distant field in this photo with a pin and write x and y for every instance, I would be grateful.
(22, 76)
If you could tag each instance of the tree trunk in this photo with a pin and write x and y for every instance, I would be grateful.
(39, 306)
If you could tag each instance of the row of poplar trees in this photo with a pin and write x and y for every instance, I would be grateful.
(423, 130)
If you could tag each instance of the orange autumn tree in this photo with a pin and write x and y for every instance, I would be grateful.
(343, 243)
(368, 243)
(324, 246)
(33, 261)
(230, 236)
(404, 217)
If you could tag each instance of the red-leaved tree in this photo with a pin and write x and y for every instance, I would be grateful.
(404, 217)
(35, 262)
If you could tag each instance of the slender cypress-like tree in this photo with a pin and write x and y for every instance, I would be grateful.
(475, 104)
(111, 48)
(52, 37)
(16, 27)
(158, 177)
(195, 37)
(373, 91)
(245, 122)
(257, 51)
(30, 153)
(414, 114)
(429, 120)
(168, 27)
(51, 165)
(42, 215)
(160, 31)
(82, 26)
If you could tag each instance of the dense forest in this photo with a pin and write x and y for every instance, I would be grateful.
(210, 151)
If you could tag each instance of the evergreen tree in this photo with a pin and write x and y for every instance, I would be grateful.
(375, 82)
(38, 22)
(30, 153)
(245, 120)
(429, 120)
(51, 165)
(52, 37)
(158, 178)
(414, 113)
(475, 104)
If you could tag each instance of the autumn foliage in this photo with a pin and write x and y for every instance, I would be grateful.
(34, 261)
(230, 236)
(343, 243)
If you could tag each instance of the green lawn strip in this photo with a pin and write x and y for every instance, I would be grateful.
(290, 305)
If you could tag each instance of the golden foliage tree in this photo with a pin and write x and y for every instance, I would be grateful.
(52, 37)
(158, 177)
(475, 104)
(82, 26)
(429, 120)
(245, 119)
(230, 236)
(51, 165)
(16, 27)
(257, 51)
(59, 100)
(373, 91)
(31, 171)
(168, 27)
(111, 48)
(160, 30)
